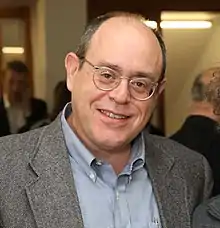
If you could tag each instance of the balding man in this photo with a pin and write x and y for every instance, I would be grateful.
(94, 166)
(201, 131)
(208, 213)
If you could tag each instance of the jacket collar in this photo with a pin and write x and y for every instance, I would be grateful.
(168, 183)
(52, 194)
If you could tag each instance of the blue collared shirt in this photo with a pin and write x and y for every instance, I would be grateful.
(108, 200)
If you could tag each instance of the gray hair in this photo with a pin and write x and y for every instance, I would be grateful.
(93, 26)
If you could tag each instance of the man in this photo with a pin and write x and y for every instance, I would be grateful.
(94, 166)
(208, 213)
(200, 130)
(18, 110)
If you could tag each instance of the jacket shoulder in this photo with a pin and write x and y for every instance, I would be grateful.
(18, 147)
(175, 149)
(192, 166)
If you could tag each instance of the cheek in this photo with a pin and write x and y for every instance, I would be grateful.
(84, 89)
(84, 94)
(145, 111)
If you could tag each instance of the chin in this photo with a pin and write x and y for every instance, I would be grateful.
(109, 145)
(111, 140)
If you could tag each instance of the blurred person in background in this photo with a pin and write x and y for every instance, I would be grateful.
(19, 111)
(200, 131)
(61, 97)
(207, 215)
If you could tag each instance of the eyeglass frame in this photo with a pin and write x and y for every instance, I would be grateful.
(95, 67)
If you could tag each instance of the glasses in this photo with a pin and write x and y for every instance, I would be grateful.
(107, 79)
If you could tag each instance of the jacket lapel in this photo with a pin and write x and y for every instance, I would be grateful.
(168, 185)
(52, 194)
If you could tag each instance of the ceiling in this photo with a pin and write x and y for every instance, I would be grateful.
(15, 3)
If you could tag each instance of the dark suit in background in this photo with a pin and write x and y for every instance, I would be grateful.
(19, 111)
(202, 134)
(38, 112)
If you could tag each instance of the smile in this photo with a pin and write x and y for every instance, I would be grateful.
(113, 115)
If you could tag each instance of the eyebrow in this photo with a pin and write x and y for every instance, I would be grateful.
(111, 66)
(134, 74)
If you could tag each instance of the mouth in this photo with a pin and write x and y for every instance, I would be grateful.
(113, 115)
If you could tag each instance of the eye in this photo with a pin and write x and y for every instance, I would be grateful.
(142, 86)
(139, 84)
(106, 75)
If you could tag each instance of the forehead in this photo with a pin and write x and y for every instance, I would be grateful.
(127, 43)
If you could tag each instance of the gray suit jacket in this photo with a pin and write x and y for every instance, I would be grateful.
(37, 187)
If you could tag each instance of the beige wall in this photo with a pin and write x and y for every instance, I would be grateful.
(191, 52)
(56, 29)
(12, 33)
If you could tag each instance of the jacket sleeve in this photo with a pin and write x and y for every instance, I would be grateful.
(208, 186)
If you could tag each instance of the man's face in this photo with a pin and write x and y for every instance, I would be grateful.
(14, 83)
(130, 49)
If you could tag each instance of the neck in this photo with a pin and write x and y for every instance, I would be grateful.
(203, 109)
(116, 157)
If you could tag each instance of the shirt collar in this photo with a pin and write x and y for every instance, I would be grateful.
(76, 148)
(7, 103)
(137, 159)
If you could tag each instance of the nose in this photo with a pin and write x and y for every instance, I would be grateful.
(121, 93)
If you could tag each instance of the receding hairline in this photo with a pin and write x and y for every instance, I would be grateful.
(124, 17)
(129, 17)
(122, 22)
(94, 25)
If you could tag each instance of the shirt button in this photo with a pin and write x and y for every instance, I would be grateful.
(92, 176)
(98, 162)
(117, 195)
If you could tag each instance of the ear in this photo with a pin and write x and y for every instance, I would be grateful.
(72, 67)
(161, 86)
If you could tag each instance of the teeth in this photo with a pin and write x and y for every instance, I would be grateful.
(112, 115)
